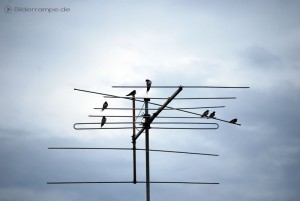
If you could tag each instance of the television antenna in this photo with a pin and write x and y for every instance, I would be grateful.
(145, 126)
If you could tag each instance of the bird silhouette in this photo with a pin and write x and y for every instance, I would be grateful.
(233, 121)
(148, 83)
(103, 121)
(205, 113)
(212, 115)
(131, 93)
(105, 104)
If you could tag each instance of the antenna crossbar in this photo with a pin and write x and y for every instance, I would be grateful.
(152, 127)
(127, 108)
(130, 149)
(171, 122)
(188, 98)
(130, 182)
(164, 117)
(215, 87)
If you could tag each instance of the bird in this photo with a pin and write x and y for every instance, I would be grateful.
(148, 83)
(131, 93)
(233, 121)
(205, 113)
(105, 104)
(212, 115)
(103, 121)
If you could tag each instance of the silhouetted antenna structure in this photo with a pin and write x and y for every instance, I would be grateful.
(147, 120)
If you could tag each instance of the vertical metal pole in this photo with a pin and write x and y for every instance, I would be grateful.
(133, 139)
(147, 125)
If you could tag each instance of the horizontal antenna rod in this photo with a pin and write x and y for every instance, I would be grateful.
(124, 108)
(91, 128)
(129, 182)
(130, 127)
(220, 87)
(91, 182)
(179, 128)
(186, 128)
(190, 98)
(114, 116)
(130, 149)
(143, 116)
(124, 122)
(178, 182)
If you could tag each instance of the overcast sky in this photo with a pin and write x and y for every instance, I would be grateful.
(94, 45)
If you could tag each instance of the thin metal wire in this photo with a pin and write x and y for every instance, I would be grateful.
(220, 87)
(130, 149)
(140, 111)
(136, 117)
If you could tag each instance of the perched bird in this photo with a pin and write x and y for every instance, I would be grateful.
(131, 93)
(205, 113)
(103, 121)
(233, 121)
(148, 83)
(212, 115)
(105, 104)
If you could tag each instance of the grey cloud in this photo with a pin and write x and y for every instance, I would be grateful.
(260, 58)
(27, 194)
